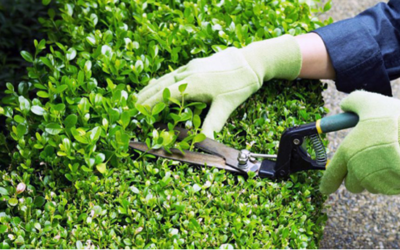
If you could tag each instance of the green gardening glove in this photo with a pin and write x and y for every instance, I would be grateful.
(369, 157)
(227, 78)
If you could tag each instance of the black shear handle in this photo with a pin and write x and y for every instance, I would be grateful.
(292, 157)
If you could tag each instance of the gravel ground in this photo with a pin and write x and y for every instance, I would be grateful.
(357, 220)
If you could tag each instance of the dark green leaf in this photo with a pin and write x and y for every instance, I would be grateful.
(39, 201)
(70, 121)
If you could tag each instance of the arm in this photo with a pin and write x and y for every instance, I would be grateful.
(316, 63)
(363, 51)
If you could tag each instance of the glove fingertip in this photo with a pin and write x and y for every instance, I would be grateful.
(207, 130)
(152, 81)
(328, 184)
(333, 177)
(208, 133)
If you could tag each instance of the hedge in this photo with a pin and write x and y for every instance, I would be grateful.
(68, 177)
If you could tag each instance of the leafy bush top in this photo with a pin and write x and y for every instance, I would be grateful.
(70, 122)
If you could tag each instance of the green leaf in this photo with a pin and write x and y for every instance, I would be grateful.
(51, 12)
(166, 94)
(61, 89)
(19, 119)
(27, 56)
(21, 130)
(53, 128)
(134, 189)
(39, 201)
(218, 48)
(94, 19)
(102, 168)
(70, 121)
(158, 108)
(42, 94)
(79, 245)
(3, 229)
(79, 135)
(46, 61)
(173, 100)
(125, 118)
(95, 134)
(175, 117)
(13, 202)
(71, 54)
(196, 188)
(24, 104)
(3, 191)
(20, 240)
(143, 109)
(37, 110)
(139, 66)
(84, 106)
(91, 40)
(4, 245)
(127, 242)
(182, 87)
(106, 51)
(59, 107)
(10, 86)
(226, 246)
(100, 158)
(46, 2)
(196, 224)
(69, 9)
(121, 138)
(328, 6)
(199, 138)
(196, 121)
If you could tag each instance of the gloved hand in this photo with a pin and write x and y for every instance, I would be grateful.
(228, 78)
(369, 157)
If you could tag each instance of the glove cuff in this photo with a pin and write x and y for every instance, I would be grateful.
(274, 58)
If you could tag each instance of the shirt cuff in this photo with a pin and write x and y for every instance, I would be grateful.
(356, 57)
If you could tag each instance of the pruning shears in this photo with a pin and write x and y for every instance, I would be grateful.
(292, 156)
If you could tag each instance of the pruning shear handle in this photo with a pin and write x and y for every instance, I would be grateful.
(292, 157)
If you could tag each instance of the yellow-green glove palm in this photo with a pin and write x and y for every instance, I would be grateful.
(369, 157)
(228, 78)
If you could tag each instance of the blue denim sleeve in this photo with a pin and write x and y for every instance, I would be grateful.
(365, 50)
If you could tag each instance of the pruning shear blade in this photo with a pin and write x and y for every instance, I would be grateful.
(211, 146)
(188, 157)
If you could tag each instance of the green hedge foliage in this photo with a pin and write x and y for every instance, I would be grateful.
(68, 177)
